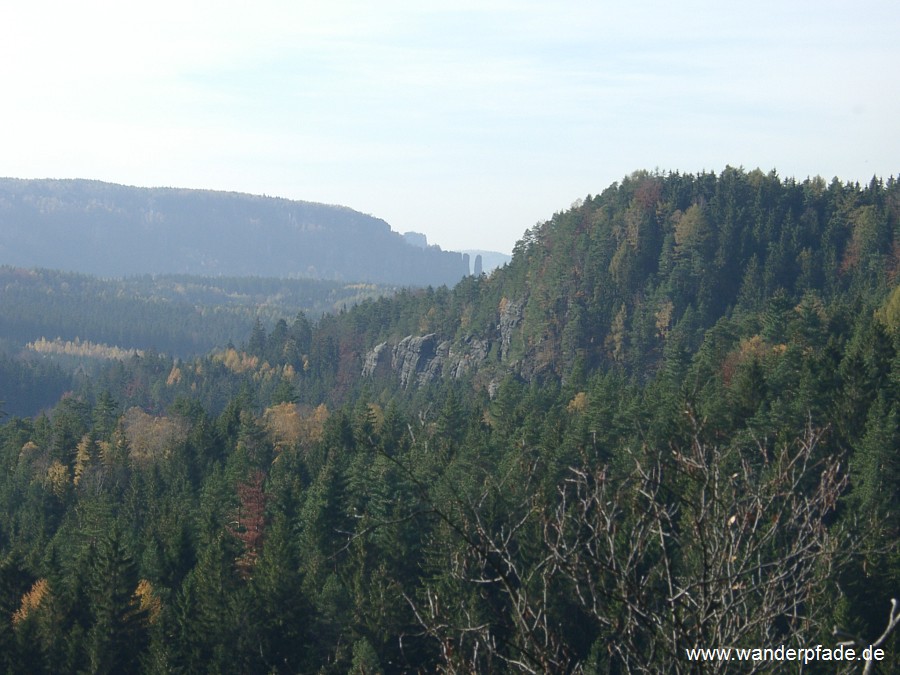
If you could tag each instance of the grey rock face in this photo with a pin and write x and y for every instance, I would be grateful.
(376, 361)
(422, 359)
(510, 317)
(434, 367)
(411, 354)
(466, 358)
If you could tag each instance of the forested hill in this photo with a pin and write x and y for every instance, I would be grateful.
(640, 278)
(670, 422)
(644, 267)
(113, 230)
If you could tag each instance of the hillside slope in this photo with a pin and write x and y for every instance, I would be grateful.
(113, 230)
(644, 268)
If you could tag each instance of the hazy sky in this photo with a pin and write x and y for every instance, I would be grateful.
(469, 121)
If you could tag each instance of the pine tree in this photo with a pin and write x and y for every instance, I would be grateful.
(280, 630)
(104, 415)
(206, 620)
(118, 633)
(257, 343)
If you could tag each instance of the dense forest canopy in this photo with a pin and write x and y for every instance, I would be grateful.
(671, 421)
(180, 315)
(53, 322)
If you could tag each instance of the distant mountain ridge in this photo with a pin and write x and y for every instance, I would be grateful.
(115, 230)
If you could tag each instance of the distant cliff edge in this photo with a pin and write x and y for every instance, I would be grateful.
(114, 230)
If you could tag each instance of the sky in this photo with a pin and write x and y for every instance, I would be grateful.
(470, 121)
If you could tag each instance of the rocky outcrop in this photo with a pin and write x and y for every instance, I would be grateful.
(434, 367)
(411, 355)
(466, 358)
(422, 359)
(511, 314)
(377, 361)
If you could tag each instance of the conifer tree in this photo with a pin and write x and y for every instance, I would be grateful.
(118, 632)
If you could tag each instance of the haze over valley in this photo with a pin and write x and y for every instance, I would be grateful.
(112, 230)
